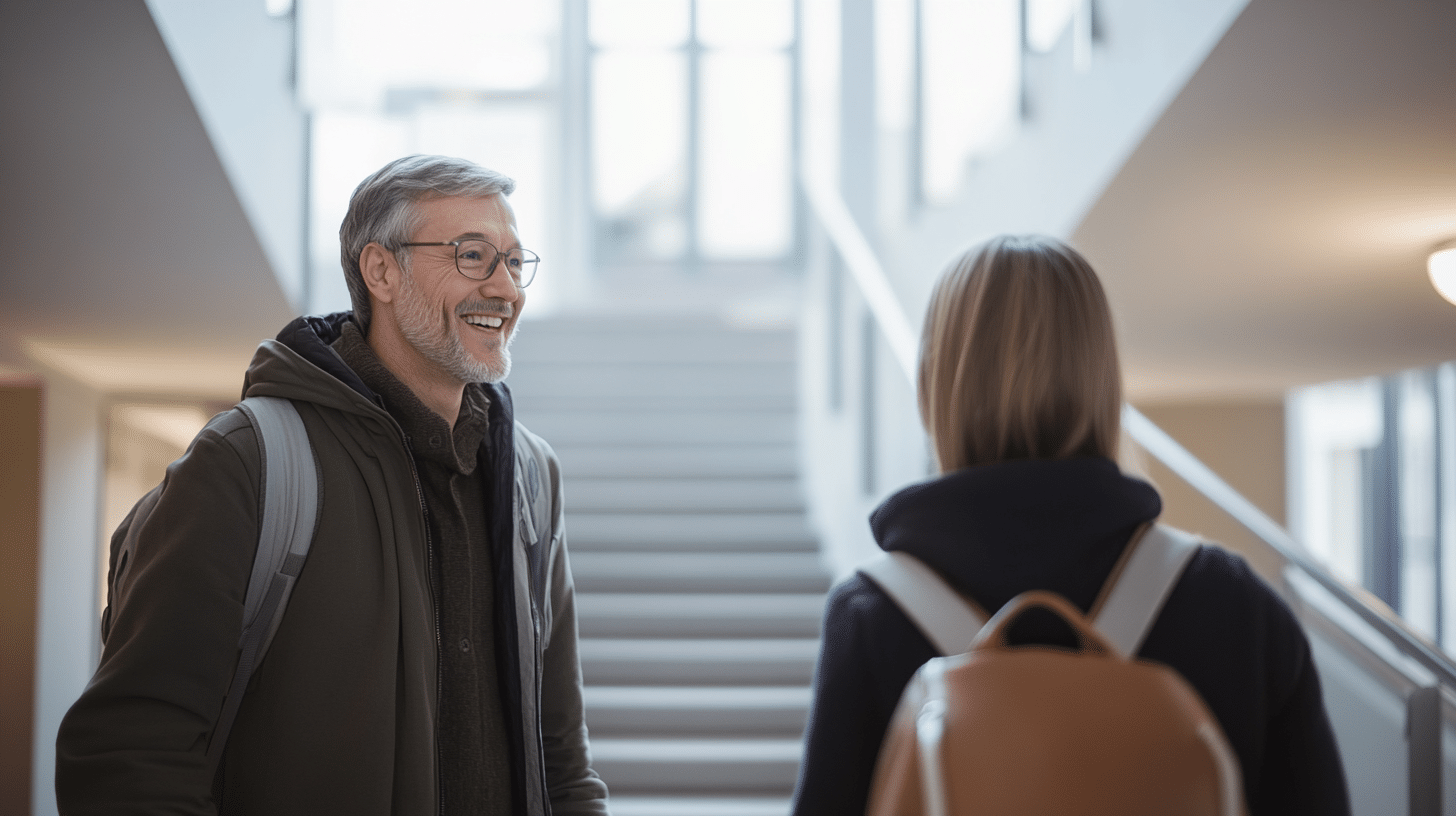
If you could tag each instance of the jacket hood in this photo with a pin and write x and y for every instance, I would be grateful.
(290, 366)
(998, 530)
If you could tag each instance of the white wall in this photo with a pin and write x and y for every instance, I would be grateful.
(238, 65)
(1079, 129)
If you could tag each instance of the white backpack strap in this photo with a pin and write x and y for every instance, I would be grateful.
(1146, 580)
(946, 619)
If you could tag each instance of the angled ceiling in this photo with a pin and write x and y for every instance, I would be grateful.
(122, 235)
(1272, 228)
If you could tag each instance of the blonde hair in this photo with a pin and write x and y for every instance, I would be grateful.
(1018, 358)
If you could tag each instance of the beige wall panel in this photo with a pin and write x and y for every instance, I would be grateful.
(20, 409)
(1243, 442)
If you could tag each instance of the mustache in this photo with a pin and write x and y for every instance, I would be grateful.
(493, 306)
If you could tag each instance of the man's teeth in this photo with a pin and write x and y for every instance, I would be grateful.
(485, 320)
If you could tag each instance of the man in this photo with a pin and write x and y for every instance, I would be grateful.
(427, 661)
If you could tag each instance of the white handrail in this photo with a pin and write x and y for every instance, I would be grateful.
(864, 267)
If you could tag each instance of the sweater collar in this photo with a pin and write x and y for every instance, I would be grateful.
(431, 438)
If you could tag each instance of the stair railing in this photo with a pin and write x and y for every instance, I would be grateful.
(1371, 632)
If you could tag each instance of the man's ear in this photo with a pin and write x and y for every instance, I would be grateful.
(381, 272)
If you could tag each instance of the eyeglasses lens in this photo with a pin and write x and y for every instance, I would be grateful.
(477, 260)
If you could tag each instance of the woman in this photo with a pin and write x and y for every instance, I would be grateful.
(1021, 394)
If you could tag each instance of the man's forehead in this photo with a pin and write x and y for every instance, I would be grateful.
(468, 214)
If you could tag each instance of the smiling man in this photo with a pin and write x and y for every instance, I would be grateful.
(427, 660)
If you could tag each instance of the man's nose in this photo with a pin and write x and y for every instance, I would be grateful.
(500, 283)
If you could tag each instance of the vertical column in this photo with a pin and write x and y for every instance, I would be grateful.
(692, 252)
(1382, 503)
(1423, 742)
(577, 243)
(68, 632)
(20, 406)
(869, 388)
(857, 125)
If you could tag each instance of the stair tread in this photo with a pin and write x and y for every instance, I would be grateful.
(700, 806)
(747, 564)
(695, 697)
(702, 648)
(626, 493)
(736, 604)
(680, 750)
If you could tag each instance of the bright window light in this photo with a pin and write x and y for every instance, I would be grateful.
(639, 119)
(744, 207)
(745, 23)
(1046, 20)
(894, 63)
(638, 23)
(972, 86)
(357, 50)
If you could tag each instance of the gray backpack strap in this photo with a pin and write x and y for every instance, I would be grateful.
(946, 619)
(1137, 594)
(290, 512)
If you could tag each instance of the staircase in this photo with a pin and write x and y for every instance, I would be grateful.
(699, 585)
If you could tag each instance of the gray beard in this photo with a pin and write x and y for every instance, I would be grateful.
(438, 344)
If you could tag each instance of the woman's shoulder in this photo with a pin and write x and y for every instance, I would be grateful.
(1221, 599)
(861, 616)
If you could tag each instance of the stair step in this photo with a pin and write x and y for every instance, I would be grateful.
(579, 378)
(656, 427)
(683, 494)
(612, 495)
(708, 661)
(690, 532)
(677, 442)
(587, 340)
(634, 614)
(530, 404)
(765, 711)
(698, 572)
(700, 806)
(595, 459)
(697, 765)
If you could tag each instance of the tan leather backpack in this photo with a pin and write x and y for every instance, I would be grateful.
(1043, 731)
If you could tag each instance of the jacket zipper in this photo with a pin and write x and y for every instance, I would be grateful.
(434, 612)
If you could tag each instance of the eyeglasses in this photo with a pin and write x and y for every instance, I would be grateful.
(477, 260)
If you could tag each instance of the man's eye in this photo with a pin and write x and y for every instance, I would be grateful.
(470, 255)
(514, 262)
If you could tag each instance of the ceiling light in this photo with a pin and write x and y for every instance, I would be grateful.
(1442, 267)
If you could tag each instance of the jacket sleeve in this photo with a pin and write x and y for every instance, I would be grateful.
(869, 651)
(136, 739)
(1301, 771)
(573, 786)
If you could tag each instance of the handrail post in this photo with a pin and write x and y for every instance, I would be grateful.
(1423, 748)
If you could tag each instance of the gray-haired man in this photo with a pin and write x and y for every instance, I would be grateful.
(427, 663)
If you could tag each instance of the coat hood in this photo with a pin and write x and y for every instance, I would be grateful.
(290, 367)
(995, 531)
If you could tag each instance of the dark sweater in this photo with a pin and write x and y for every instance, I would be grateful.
(475, 773)
(996, 531)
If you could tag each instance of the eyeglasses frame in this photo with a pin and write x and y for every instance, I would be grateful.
(493, 264)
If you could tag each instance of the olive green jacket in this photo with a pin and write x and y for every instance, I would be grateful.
(340, 716)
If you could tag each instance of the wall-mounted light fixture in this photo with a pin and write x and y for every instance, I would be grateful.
(1442, 268)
